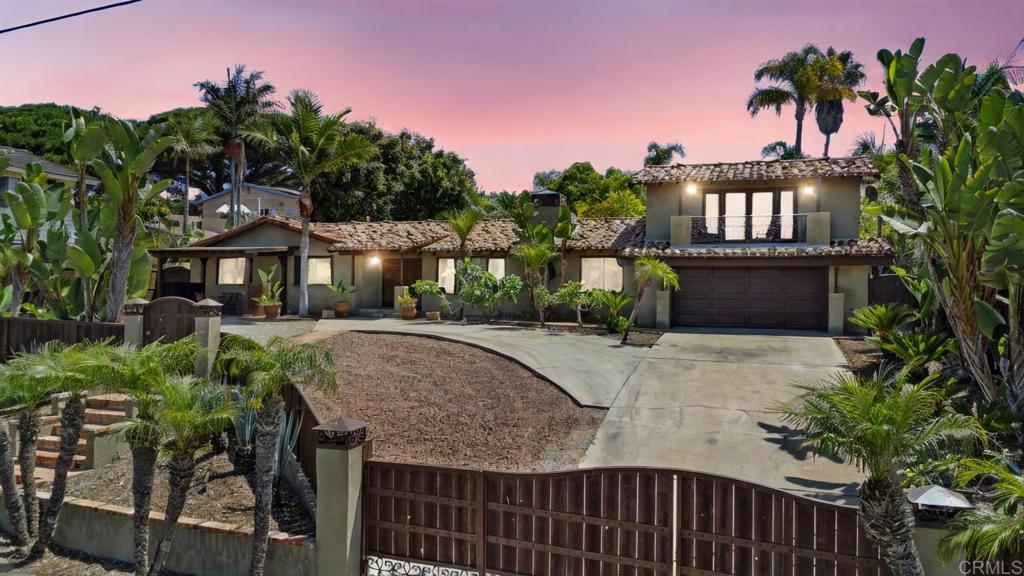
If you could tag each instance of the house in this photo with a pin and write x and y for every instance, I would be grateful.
(256, 201)
(19, 161)
(766, 244)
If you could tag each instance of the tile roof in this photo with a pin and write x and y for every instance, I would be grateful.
(389, 235)
(22, 158)
(758, 170)
(608, 233)
(866, 247)
(496, 234)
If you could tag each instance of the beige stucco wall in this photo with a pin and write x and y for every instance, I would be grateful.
(852, 282)
(662, 203)
(254, 200)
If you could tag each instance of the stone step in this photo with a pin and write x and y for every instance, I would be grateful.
(52, 444)
(45, 459)
(94, 428)
(43, 476)
(109, 402)
(104, 417)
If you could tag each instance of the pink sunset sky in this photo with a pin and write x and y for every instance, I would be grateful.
(514, 86)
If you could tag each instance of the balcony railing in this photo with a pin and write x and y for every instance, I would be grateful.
(776, 229)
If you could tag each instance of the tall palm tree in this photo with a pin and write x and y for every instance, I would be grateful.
(662, 154)
(838, 75)
(793, 82)
(190, 411)
(12, 503)
(648, 270)
(266, 369)
(881, 424)
(192, 138)
(866, 144)
(241, 106)
(313, 144)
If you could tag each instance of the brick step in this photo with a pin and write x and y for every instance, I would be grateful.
(104, 417)
(109, 402)
(49, 460)
(52, 444)
(43, 475)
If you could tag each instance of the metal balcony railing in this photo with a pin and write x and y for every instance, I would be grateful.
(778, 228)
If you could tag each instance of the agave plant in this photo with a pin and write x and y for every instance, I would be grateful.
(917, 347)
(881, 319)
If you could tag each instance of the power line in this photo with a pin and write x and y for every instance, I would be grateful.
(71, 15)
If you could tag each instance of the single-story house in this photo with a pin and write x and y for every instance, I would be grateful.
(765, 244)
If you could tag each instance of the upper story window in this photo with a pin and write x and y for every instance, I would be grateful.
(749, 216)
(603, 273)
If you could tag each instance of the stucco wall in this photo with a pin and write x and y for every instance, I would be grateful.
(254, 200)
(662, 203)
(852, 281)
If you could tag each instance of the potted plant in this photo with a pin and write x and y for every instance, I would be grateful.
(408, 307)
(266, 283)
(344, 293)
(430, 288)
(270, 300)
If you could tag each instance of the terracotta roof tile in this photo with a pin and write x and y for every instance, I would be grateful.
(758, 170)
(497, 234)
(607, 233)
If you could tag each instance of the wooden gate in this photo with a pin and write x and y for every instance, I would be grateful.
(619, 521)
(169, 319)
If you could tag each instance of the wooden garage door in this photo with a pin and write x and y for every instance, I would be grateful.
(791, 298)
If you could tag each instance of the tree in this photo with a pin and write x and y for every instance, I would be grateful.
(573, 296)
(564, 232)
(662, 154)
(84, 143)
(241, 106)
(838, 75)
(124, 171)
(648, 271)
(780, 150)
(618, 204)
(313, 144)
(40, 128)
(192, 137)
(866, 144)
(266, 369)
(481, 289)
(792, 81)
(581, 183)
(536, 253)
(462, 223)
(881, 425)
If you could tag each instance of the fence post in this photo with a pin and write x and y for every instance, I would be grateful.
(134, 313)
(207, 330)
(339, 484)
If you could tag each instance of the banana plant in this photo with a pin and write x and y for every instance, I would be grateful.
(85, 143)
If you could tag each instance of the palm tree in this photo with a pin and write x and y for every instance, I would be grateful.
(838, 75)
(535, 254)
(313, 144)
(647, 271)
(779, 150)
(14, 505)
(793, 82)
(190, 411)
(996, 525)
(565, 230)
(881, 424)
(462, 223)
(662, 154)
(866, 144)
(241, 106)
(266, 369)
(192, 138)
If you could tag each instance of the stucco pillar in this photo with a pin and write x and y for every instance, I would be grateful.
(339, 483)
(134, 314)
(836, 313)
(207, 330)
(681, 231)
(663, 310)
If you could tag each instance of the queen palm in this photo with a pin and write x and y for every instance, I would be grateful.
(648, 271)
(192, 138)
(838, 75)
(313, 144)
(241, 106)
(881, 424)
(793, 81)
(265, 370)
(188, 413)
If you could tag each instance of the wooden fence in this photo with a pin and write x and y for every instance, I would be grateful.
(305, 448)
(25, 334)
(889, 289)
(614, 521)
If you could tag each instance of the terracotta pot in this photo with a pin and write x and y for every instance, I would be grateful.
(271, 310)
(435, 315)
(257, 309)
(408, 312)
(341, 309)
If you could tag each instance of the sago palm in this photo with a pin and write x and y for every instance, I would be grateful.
(997, 524)
(648, 271)
(881, 425)
(313, 144)
(792, 81)
(265, 370)
(192, 138)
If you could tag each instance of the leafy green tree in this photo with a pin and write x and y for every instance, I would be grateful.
(838, 75)
(791, 81)
(573, 296)
(266, 369)
(881, 425)
(618, 204)
(649, 271)
(662, 154)
(581, 183)
(313, 144)
(192, 138)
(39, 128)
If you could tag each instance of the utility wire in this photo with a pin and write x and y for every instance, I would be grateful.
(65, 16)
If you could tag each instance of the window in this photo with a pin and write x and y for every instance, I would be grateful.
(496, 266)
(289, 212)
(446, 274)
(268, 211)
(602, 273)
(751, 215)
(320, 270)
(231, 271)
(711, 212)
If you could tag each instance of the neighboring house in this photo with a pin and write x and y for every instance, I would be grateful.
(20, 159)
(256, 201)
(769, 244)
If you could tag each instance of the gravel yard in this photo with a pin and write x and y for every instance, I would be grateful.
(863, 357)
(436, 402)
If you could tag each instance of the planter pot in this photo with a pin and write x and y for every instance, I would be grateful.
(257, 310)
(435, 315)
(271, 310)
(408, 313)
(341, 309)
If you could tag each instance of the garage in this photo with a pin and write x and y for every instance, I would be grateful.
(752, 297)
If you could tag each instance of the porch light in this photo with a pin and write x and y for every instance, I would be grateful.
(374, 260)
(691, 188)
(808, 190)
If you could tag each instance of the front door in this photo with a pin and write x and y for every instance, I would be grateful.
(397, 272)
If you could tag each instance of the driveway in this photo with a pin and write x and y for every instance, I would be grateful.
(591, 369)
(263, 330)
(702, 401)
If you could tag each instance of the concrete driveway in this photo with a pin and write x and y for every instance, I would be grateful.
(702, 401)
(591, 369)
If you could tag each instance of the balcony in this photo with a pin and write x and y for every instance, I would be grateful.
(810, 228)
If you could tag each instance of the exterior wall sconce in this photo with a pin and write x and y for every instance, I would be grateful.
(374, 260)
(691, 188)
(808, 190)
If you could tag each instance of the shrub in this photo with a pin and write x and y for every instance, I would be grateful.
(479, 288)
(616, 324)
(916, 348)
(405, 300)
(882, 319)
(613, 300)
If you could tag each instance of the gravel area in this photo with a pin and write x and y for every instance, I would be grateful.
(217, 493)
(262, 330)
(862, 356)
(436, 402)
(58, 562)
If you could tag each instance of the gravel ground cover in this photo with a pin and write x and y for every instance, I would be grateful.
(862, 356)
(436, 402)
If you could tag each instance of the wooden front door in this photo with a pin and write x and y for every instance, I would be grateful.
(397, 272)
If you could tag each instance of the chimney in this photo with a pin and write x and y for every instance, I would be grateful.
(548, 204)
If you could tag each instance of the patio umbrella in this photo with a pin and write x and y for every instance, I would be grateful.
(937, 497)
(224, 209)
